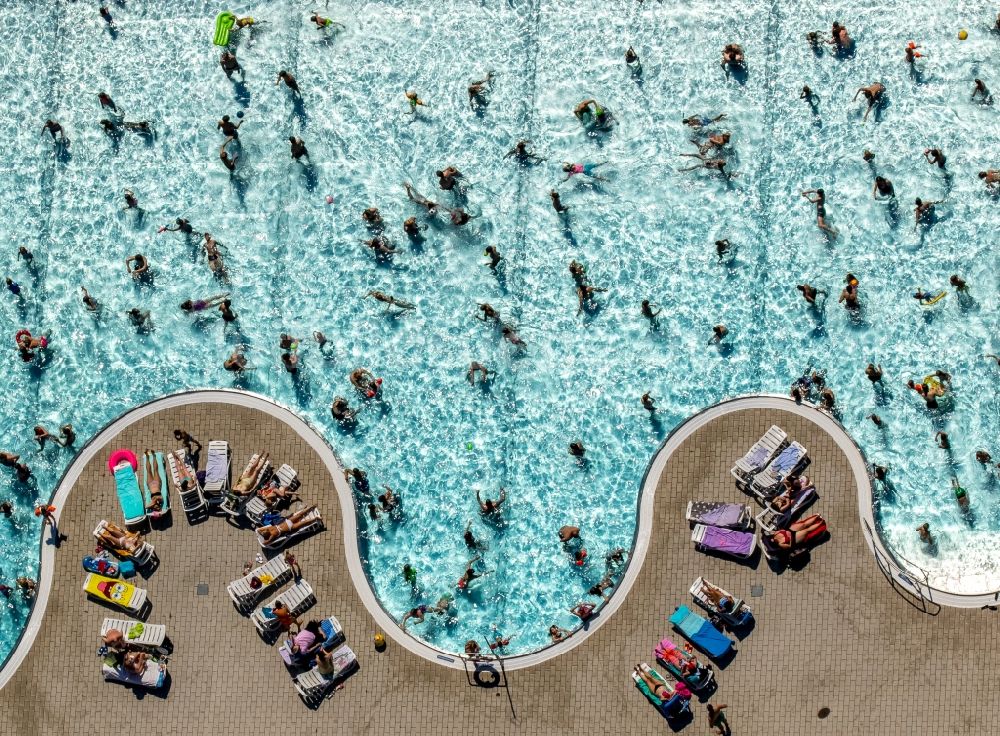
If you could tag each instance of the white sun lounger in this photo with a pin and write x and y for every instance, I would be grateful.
(234, 502)
(313, 687)
(740, 613)
(152, 635)
(152, 677)
(315, 523)
(255, 508)
(298, 599)
(217, 471)
(771, 521)
(757, 458)
(245, 596)
(140, 556)
(765, 483)
(191, 500)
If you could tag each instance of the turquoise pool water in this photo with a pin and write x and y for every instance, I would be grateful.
(296, 264)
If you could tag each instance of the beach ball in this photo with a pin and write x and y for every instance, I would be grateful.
(963, 34)
(239, 114)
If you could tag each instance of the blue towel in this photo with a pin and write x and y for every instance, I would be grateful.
(129, 495)
(787, 460)
(701, 633)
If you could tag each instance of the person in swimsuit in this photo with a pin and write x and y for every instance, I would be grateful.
(227, 161)
(414, 196)
(90, 302)
(819, 199)
(647, 310)
(131, 203)
(934, 156)
(474, 368)
(923, 212)
(417, 614)
(839, 37)
(558, 634)
(657, 687)
(152, 469)
(55, 130)
(488, 313)
(991, 178)
(200, 305)
(479, 90)
(572, 170)
(116, 538)
(494, 256)
(298, 148)
(373, 219)
(799, 532)
(365, 382)
(714, 142)
(140, 267)
(510, 335)
(591, 113)
(289, 80)
(712, 164)
(557, 204)
(249, 477)
(293, 523)
(874, 93)
(489, 506)
(414, 101)
(849, 295)
(883, 189)
(229, 129)
(809, 293)
(522, 155)
(583, 611)
(230, 65)
(874, 372)
(585, 297)
(285, 618)
(324, 23)
(185, 474)
(732, 56)
(391, 301)
(632, 61)
(470, 574)
(701, 122)
(982, 91)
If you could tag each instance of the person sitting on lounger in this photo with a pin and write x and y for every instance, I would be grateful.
(717, 597)
(799, 533)
(285, 618)
(658, 688)
(155, 482)
(273, 494)
(293, 523)
(117, 538)
(135, 662)
(248, 479)
(301, 644)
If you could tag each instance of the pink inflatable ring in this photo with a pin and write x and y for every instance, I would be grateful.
(118, 455)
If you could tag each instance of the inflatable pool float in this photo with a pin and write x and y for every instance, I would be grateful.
(118, 455)
(100, 565)
(224, 23)
(934, 300)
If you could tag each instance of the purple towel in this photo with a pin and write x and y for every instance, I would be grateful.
(738, 544)
(716, 513)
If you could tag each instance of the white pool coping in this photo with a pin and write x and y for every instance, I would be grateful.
(899, 570)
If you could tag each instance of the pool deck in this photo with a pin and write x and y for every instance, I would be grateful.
(832, 634)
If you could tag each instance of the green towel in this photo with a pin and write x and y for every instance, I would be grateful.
(136, 631)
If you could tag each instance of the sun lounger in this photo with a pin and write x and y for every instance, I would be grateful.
(272, 574)
(769, 520)
(717, 513)
(217, 471)
(766, 483)
(152, 677)
(673, 705)
(727, 541)
(757, 458)
(129, 495)
(735, 616)
(142, 554)
(313, 687)
(333, 635)
(683, 665)
(115, 592)
(191, 499)
(298, 599)
(701, 633)
(233, 503)
(256, 507)
(315, 524)
(137, 633)
(147, 493)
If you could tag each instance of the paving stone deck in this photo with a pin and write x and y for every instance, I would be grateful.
(832, 634)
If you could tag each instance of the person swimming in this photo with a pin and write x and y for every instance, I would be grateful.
(572, 170)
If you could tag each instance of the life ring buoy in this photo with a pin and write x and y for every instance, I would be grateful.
(118, 455)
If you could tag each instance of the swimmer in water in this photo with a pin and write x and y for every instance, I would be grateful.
(225, 309)
(732, 56)
(448, 179)
(819, 199)
(55, 130)
(488, 313)
(722, 247)
(229, 163)
(883, 189)
(106, 15)
(959, 283)
(131, 203)
(592, 111)
(494, 256)
(414, 196)
(324, 23)
(413, 229)
(290, 82)
(982, 91)
(712, 164)
(991, 178)
(230, 65)
(183, 226)
(585, 169)
(840, 37)
(647, 310)
(200, 305)
(90, 302)
(585, 297)
(298, 148)
(342, 411)
(107, 103)
(719, 141)
(139, 318)
(474, 368)
(512, 337)
(557, 204)
(911, 53)
(809, 293)
(390, 301)
(923, 212)
(411, 97)
(479, 90)
(522, 155)
(700, 122)
(137, 265)
(934, 156)
(632, 60)
(719, 333)
(380, 245)
(237, 362)
(874, 372)
(460, 217)
(873, 93)
(849, 295)
(229, 128)
(490, 506)
(925, 297)
(373, 219)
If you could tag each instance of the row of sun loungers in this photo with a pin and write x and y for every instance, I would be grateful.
(768, 462)
(138, 635)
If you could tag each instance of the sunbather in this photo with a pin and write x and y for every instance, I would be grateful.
(154, 481)
(273, 493)
(184, 472)
(117, 538)
(293, 523)
(717, 597)
(687, 664)
(794, 488)
(657, 687)
(799, 533)
(135, 662)
(248, 479)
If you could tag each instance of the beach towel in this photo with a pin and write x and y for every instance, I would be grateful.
(731, 542)
(717, 513)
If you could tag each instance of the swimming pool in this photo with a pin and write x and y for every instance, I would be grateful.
(297, 264)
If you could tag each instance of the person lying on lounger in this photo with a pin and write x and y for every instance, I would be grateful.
(799, 532)
(184, 472)
(273, 493)
(135, 662)
(248, 480)
(155, 482)
(117, 538)
(658, 688)
(687, 664)
(717, 597)
(292, 524)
